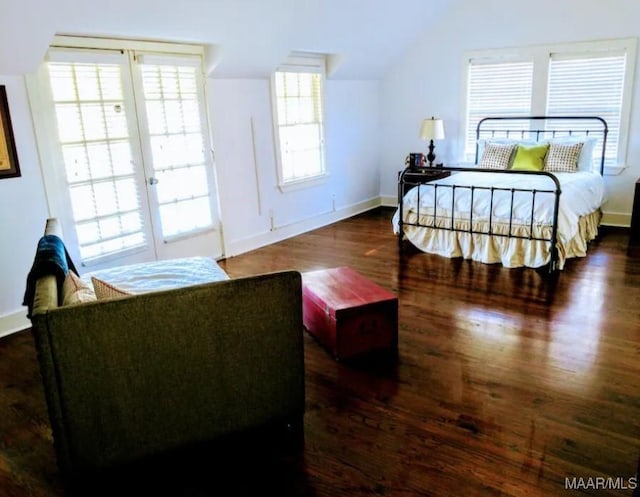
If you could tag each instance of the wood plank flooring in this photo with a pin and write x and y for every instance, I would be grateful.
(507, 383)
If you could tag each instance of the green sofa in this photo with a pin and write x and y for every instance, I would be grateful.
(145, 374)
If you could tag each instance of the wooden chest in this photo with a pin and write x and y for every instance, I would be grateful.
(348, 313)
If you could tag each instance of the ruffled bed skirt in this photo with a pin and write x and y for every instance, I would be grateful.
(511, 252)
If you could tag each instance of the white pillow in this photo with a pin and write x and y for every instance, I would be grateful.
(585, 159)
(76, 291)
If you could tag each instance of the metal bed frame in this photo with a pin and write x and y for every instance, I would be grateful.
(502, 127)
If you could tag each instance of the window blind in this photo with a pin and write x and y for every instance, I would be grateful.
(96, 151)
(177, 143)
(589, 85)
(300, 123)
(496, 89)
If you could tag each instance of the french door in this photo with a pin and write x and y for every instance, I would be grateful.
(131, 155)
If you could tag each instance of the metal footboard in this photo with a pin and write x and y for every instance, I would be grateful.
(453, 215)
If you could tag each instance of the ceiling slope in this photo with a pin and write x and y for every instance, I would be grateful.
(245, 38)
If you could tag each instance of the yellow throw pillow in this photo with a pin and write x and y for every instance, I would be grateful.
(106, 290)
(530, 158)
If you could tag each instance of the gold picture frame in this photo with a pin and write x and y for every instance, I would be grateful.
(9, 167)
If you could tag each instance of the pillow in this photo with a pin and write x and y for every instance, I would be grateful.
(496, 156)
(530, 158)
(106, 290)
(585, 160)
(482, 142)
(563, 157)
(76, 291)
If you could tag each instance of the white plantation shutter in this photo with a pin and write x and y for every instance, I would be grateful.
(300, 122)
(589, 85)
(573, 79)
(95, 140)
(496, 89)
(172, 100)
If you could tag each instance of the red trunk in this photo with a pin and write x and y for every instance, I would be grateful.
(348, 313)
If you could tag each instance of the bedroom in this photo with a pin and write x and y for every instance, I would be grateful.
(363, 167)
(367, 137)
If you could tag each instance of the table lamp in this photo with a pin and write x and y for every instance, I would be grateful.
(432, 129)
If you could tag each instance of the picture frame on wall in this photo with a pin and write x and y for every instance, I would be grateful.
(9, 166)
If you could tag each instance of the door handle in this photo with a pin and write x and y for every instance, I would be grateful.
(153, 181)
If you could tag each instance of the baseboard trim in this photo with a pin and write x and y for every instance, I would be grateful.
(289, 230)
(14, 322)
(622, 219)
(389, 201)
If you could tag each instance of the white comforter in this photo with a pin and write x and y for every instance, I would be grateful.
(582, 193)
(161, 275)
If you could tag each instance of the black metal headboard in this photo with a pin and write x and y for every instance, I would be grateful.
(524, 128)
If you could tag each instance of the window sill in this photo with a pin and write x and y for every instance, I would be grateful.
(614, 170)
(113, 256)
(301, 183)
(189, 234)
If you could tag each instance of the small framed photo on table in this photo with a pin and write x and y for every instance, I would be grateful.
(417, 160)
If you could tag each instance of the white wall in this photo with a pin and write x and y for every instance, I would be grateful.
(352, 135)
(427, 80)
(23, 211)
(249, 194)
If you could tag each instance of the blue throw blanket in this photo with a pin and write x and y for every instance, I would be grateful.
(51, 258)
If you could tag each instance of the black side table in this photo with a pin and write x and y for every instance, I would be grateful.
(414, 177)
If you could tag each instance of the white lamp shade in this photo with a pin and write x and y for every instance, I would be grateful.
(432, 129)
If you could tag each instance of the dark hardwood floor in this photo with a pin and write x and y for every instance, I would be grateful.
(507, 383)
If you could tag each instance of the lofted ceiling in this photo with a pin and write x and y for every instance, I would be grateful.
(244, 38)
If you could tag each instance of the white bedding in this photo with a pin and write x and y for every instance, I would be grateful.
(161, 275)
(578, 218)
(582, 193)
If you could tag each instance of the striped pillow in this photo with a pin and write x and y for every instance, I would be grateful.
(106, 290)
(563, 157)
(497, 156)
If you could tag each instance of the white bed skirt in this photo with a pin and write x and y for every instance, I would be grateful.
(511, 252)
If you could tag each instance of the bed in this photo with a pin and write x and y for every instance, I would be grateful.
(533, 199)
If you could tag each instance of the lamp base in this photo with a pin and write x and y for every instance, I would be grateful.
(431, 156)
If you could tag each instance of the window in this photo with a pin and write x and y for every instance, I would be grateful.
(574, 79)
(590, 85)
(177, 143)
(299, 122)
(502, 89)
(130, 147)
(97, 155)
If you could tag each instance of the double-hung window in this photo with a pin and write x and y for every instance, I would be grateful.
(298, 94)
(578, 79)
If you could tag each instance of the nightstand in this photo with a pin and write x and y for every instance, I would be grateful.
(414, 177)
